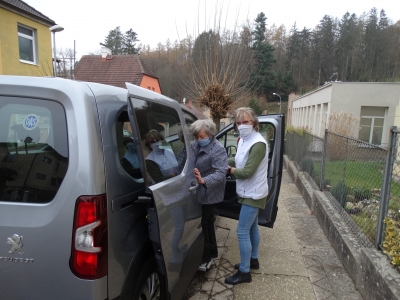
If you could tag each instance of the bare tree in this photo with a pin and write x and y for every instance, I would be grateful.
(218, 71)
(65, 63)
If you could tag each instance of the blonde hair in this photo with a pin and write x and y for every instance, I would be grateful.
(239, 115)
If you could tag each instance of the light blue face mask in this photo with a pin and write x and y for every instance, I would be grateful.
(204, 142)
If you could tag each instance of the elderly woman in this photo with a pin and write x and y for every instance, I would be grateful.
(210, 162)
(161, 163)
(249, 167)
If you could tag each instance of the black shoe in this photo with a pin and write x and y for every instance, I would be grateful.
(254, 264)
(205, 260)
(214, 255)
(239, 277)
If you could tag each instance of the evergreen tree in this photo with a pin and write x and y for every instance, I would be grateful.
(324, 48)
(346, 45)
(262, 78)
(383, 20)
(370, 42)
(205, 44)
(255, 106)
(114, 41)
(129, 42)
(285, 83)
(120, 43)
(293, 51)
(259, 31)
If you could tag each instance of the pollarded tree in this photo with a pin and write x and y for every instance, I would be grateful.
(218, 71)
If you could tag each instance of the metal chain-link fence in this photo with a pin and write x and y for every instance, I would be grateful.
(348, 171)
(353, 177)
(388, 232)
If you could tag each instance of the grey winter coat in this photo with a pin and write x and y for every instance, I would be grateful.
(212, 162)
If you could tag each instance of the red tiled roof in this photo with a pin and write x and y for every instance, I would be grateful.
(115, 71)
(25, 7)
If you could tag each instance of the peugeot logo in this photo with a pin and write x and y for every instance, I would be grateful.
(16, 243)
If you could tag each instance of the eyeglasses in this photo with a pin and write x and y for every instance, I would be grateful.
(243, 122)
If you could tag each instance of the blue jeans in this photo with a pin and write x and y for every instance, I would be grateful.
(248, 236)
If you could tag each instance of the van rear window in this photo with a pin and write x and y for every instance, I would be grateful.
(33, 149)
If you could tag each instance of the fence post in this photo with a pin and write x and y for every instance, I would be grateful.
(343, 200)
(386, 185)
(322, 181)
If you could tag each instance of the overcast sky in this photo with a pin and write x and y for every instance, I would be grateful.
(89, 21)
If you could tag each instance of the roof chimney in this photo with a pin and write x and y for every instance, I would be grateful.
(105, 53)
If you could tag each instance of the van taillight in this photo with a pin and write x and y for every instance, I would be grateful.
(90, 238)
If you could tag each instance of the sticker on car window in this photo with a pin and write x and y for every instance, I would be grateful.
(31, 121)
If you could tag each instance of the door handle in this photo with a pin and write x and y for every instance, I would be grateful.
(194, 187)
(143, 199)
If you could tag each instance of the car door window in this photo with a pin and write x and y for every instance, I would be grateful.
(126, 147)
(268, 132)
(33, 149)
(161, 140)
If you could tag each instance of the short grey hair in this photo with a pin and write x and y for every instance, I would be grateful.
(239, 115)
(208, 126)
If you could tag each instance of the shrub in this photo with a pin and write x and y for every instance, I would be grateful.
(360, 193)
(340, 192)
(298, 130)
(391, 243)
(366, 224)
(344, 123)
(307, 165)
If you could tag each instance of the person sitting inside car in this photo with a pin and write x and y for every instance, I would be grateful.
(161, 163)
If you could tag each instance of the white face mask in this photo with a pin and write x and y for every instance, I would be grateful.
(156, 147)
(245, 130)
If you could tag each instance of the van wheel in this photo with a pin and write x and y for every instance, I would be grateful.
(150, 284)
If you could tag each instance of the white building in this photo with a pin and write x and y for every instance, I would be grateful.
(376, 104)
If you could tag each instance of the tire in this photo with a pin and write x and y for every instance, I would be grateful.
(150, 284)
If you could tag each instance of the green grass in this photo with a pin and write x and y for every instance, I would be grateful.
(366, 175)
(367, 225)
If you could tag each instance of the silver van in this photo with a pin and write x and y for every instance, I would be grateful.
(81, 217)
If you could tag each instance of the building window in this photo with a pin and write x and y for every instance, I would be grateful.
(47, 160)
(372, 120)
(40, 176)
(27, 44)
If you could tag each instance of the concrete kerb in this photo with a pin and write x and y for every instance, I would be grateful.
(370, 270)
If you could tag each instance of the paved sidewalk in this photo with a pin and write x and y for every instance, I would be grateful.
(296, 259)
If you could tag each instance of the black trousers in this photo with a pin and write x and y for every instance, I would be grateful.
(210, 241)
